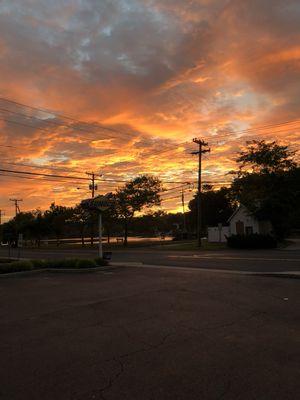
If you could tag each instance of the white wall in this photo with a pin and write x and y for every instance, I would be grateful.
(243, 215)
(215, 235)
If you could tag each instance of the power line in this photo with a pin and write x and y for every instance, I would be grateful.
(40, 178)
(4, 145)
(57, 114)
(40, 166)
(75, 177)
(40, 174)
(58, 125)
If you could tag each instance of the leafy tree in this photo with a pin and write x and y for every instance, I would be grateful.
(109, 216)
(265, 157)
(39, 227)
(141, 192)
(80, 218)
(270, 190)
(216, 207)
(56, 218)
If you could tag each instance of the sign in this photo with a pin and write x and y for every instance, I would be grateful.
(99, 203)
(102, 203)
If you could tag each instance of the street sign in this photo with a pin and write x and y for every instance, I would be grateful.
(102, 203)
(99, 203)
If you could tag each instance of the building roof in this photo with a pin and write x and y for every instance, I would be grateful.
(241, 206)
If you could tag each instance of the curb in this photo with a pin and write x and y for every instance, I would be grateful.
(286, 274)
(53, 270)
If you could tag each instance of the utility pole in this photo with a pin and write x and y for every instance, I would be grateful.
(183, 210)
(201, 150)
(17, 208)
(92, 187)
(1, 215)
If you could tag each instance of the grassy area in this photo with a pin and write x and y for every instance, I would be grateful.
(106, 246)
(193, 245)
(30, 265)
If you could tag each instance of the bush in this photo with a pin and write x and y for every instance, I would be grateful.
(253, 241)
(100, 262)
(38, 264)
(71, 263)
(15, 266)
(85, 264)
(65, 263)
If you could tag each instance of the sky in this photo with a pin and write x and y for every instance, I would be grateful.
(122, 87)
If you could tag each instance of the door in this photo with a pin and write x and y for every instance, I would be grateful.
(239, 227)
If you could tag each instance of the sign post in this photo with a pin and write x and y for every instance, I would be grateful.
(100, 249)
(99, 204)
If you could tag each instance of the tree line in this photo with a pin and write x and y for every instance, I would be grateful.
(266, 181)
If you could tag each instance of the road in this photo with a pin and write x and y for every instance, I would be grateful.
(236, 260)
(149, 334)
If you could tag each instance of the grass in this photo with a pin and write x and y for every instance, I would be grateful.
(68, 263)
(106, 246)
(193, 245)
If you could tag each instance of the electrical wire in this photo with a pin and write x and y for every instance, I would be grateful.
(57, 114)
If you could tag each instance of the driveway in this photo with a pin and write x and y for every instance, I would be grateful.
(154, 334)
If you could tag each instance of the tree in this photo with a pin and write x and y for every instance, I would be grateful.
(270, 189)
(109, 215)
(39, 227)
(263, 157)
(80, 218)
(216, 207)
(56, 218)
(141, 192)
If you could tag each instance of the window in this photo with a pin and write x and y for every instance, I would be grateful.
(249, 230)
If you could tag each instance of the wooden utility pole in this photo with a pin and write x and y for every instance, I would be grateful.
(92, 187)
(201, 150)
(183, 211)
(1, 215)
(17, 208)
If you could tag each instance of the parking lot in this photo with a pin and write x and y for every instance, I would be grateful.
(149, 333)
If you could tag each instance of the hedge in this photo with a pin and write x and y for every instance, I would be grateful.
(24, 265)
(253, 241)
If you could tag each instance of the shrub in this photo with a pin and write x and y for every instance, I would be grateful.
(38, 264)
(86, 264)
(16, 266)
(70, 263)
(100, 262)
(253, 241)
(65, 263)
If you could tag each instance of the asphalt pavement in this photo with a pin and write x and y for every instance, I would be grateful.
(278, 260)
(149, 334)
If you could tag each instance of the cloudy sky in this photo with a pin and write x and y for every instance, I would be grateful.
(120, 87)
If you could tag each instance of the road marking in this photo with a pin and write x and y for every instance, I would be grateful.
(197, 256)
(292, 274)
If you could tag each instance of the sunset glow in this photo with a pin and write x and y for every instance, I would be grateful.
(122, 87)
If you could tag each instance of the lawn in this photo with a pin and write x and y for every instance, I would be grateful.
(193, 245)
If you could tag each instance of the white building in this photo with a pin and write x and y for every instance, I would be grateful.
(242, 222)
(218, 234)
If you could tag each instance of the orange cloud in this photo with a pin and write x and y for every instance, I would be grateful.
(155, 73)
